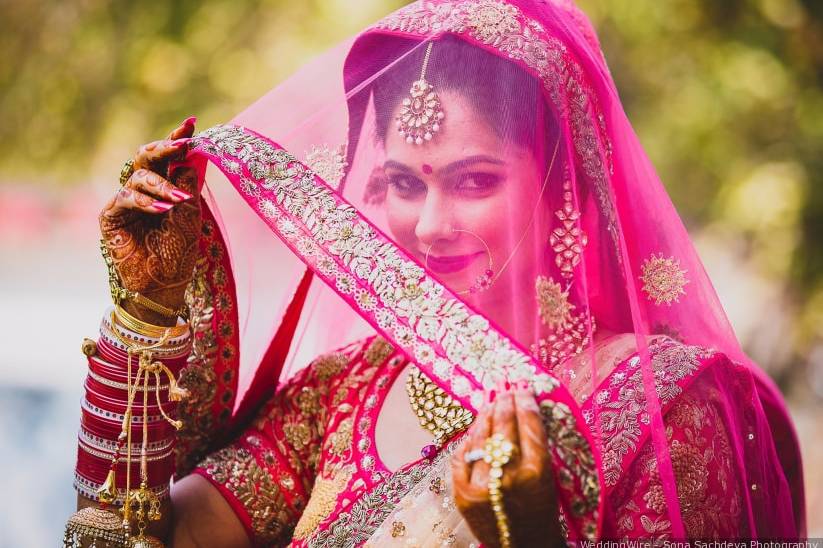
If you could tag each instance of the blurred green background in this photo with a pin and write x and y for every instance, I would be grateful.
(727, 98)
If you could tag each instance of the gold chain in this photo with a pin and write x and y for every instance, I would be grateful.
(436, 410)
(499, 451)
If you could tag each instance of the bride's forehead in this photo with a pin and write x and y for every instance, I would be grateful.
(464, 132)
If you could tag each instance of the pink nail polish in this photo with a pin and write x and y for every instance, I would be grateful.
(190, 121)
(492, 396)
(507, 385)
(180, 195)
(162, 206)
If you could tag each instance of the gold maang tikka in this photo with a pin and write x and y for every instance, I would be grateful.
(421, 113)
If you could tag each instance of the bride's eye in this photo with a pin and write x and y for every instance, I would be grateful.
(407, 186)
(478, 183)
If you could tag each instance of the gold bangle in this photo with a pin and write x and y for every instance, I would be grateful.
(146, 329)
(127, 171)
(499, 452)
(156, 307)
(116, 339)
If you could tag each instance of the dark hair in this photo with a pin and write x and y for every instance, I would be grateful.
(508, 98)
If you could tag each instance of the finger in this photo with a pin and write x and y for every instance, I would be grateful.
(131, 199)
(461, 470)
(504, 422)
(504, 419)
(151, 183)
(156, 154)
(480, 431)
(534, 445)
(185, 129)
(185, 178)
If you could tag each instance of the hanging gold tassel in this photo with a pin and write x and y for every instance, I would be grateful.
(94, 527)
(108, 491)
(145, 541)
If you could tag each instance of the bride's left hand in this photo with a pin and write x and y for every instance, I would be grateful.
(527, 483)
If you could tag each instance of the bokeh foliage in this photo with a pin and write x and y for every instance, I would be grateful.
(727, 98)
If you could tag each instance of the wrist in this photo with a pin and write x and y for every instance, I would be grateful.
(149, 316)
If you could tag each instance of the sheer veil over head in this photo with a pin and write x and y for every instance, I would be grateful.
(461, 178)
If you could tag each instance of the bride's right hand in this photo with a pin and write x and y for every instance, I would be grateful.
(152, 224)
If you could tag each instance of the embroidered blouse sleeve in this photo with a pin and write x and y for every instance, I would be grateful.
(701, 455)
(268, 472)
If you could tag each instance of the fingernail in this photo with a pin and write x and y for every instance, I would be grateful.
(162, 206)
(523, 385)
(190, 121)
(507, 385)
(492, 395)
(180, 195)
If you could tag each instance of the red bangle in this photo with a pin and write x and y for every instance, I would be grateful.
(119, 357)
(116, 399)
(116, 373)
(96, 469)
(111, 430)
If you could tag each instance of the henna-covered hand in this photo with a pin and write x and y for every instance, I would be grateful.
(152, 224)
(528, 483)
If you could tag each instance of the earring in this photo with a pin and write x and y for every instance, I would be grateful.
(482, 282)
(421, 113)
(567, 240)
(568, 331)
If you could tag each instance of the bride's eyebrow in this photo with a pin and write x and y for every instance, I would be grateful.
(393, 164)
(470, 161)
(450, 168)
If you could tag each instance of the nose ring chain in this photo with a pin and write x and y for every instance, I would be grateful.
(484, 280)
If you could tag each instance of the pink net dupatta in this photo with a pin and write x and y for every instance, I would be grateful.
(462, 179)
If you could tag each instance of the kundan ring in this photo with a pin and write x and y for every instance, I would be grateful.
(127, 171)
(474, 455)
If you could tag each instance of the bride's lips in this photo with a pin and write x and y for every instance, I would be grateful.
(448, 264)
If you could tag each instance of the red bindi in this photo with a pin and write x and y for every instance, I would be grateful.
(427, 169)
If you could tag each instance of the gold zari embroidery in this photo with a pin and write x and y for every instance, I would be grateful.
(323, 500)
(378, 351)
(198, 377)
(238, 471)
(663, 279)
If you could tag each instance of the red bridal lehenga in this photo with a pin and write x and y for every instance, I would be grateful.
(307, 305)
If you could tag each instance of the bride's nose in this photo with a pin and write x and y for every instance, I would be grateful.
(435, 221)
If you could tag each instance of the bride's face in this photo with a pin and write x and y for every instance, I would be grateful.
(464, 196)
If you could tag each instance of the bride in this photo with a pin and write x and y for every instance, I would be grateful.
(438, 297)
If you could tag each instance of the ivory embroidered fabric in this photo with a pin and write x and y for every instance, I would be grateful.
(526, 237)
